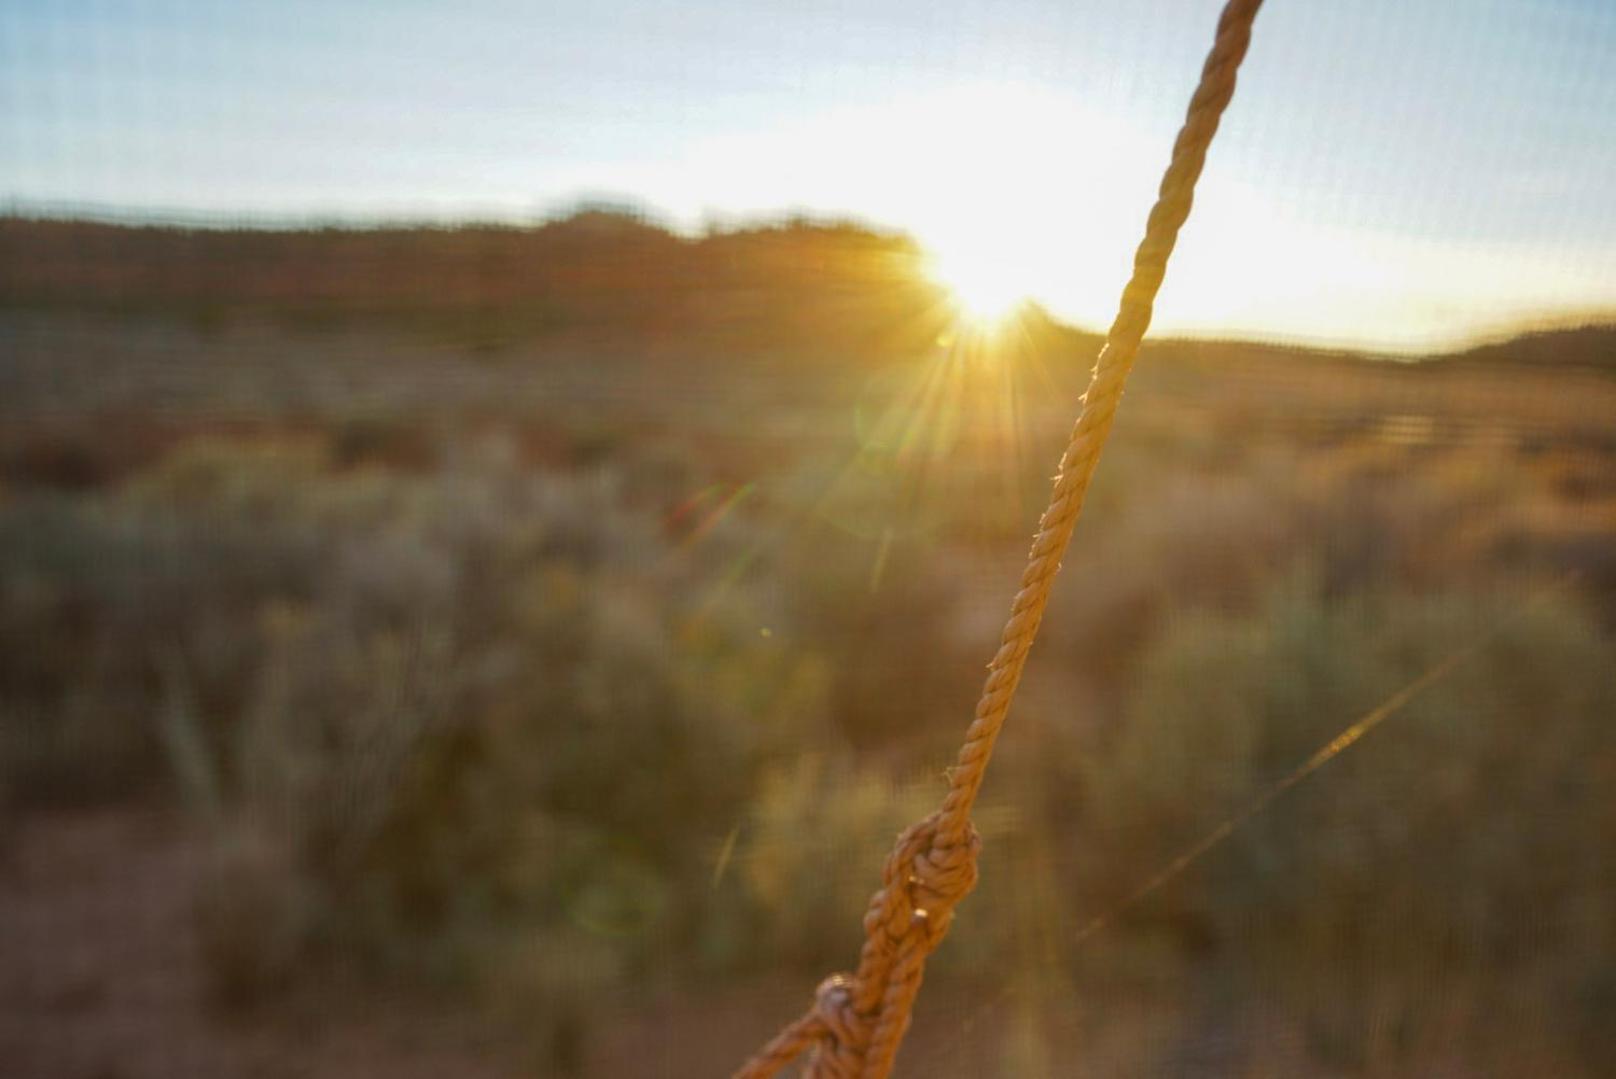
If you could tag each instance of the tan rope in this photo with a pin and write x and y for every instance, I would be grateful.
(857, 1021)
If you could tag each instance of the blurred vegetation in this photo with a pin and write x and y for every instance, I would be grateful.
(490, 287)
(611, 668)
(1463, 847)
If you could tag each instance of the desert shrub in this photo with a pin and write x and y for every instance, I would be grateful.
(450, 710)
(1360, 519)
(93, 599)
(104, 597)
(1205, 541)
(1469, 835)
(62, 455)
(890, 632)
(389, 440)
(453, 712)
(589, 781)
(482, 726)
(813, 844)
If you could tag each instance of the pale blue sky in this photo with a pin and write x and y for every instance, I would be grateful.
(1393, 172)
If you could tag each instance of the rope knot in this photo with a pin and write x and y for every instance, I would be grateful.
(833, 1005)
(943, 873)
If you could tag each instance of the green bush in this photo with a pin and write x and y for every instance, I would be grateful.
(536, 736)
(814, 842)
(1469, 835)
(450, 710)
(460, 709)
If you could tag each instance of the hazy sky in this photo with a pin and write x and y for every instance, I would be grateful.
(1394, 173)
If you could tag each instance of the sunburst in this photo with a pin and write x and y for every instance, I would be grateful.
(986, 293)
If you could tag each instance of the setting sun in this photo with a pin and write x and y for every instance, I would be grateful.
(985, 292)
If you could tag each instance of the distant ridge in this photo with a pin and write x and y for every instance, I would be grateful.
(599, 269)
(1591, 346)
(799, 284)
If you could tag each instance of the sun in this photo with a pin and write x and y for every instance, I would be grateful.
(987, 292)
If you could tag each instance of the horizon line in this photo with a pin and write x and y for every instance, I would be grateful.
(94, 212)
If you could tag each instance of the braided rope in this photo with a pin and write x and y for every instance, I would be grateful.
(857, 1022)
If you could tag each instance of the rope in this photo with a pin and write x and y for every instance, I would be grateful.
(857, 1021)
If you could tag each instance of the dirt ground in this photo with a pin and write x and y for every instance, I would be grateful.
(100, 978)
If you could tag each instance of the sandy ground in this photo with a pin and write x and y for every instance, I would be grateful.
(100, 978)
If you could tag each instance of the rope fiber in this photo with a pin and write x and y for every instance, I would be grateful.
(857, 1021)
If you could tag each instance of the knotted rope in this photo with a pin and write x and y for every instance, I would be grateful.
(857, 1022)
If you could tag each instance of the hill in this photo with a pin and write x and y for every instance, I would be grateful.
(1591, 346)
(596, 269)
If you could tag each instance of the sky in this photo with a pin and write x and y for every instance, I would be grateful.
(1393, 174)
